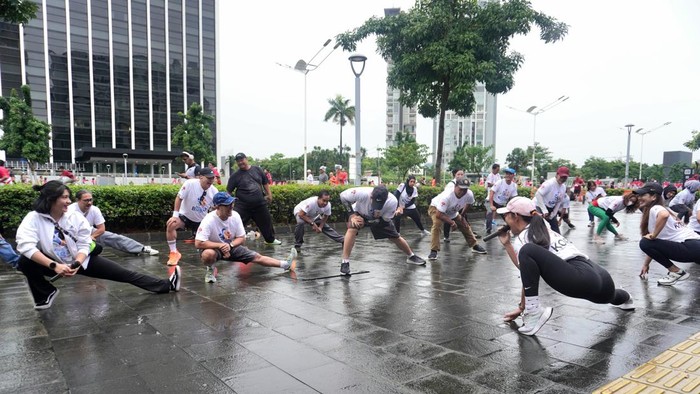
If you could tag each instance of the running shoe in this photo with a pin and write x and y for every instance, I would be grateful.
(415, 260)
(149, 251)
(627, 305)
(446, 240)
(345, 268)
(49, 301)
(432, 255)
(210, 276)
(291, 260)
(533, 321)
(591, 224)
(174, 258)
(672, 277)
(425, 232)
(479, 249)
(274, 242)
(175, 279)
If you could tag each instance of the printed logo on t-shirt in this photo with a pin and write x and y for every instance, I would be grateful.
(225, 235)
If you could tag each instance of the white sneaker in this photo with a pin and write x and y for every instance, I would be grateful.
(149, 251)
(210, 276)
(425, 232)
(274, 242)
(627, 305)
(532, 322)
(291, 260)
(591, 224)
(672, 277)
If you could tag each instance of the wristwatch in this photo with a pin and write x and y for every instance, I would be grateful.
(52, 265)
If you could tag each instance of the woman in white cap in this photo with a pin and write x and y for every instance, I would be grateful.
(540, 252)
(664, 237)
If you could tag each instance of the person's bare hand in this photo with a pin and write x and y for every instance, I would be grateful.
(172, 221)
(512, 315)
(65, 270)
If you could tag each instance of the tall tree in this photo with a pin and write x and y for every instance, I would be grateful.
(340, 112)
(405, 155)
(474, 159)
(517, 159)
(24, 134)
(194, 133)
(694, 142)
(441, 48)
(17, 11)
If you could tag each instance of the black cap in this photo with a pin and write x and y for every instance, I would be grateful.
(207, 172)
(379, 197)
(650, 187)
(462, 183)
(240, 156)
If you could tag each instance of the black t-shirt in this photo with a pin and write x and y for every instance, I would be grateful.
(248, 185)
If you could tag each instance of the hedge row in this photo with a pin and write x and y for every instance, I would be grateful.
(148, 207)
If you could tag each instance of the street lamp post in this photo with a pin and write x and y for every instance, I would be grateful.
(534, 111)
(627, 159)
(305, 67)
(125, 156)
(359, 61)
(641, 150)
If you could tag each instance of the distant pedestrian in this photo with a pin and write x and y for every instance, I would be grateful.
(84, 206)
(406, 194)
(5, 178)
(538, 252)
(217, 175)
(315, 212)
(373, 207)
(322, 176)
(445, 208)
(491, 180)
(66, 176)
(221, 236)
(503, 190)
(664, 237)
(342, 176)
(268, 175)
(191, 205)
(333, 180)
(52, 241)
(191, 167)
(670, 191)
(252, 189)
(309, 177)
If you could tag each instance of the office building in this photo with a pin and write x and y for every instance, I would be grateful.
(110, 76)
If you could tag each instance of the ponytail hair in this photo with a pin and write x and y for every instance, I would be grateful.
(538, 232)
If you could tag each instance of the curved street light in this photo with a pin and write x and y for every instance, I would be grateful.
(641, 151)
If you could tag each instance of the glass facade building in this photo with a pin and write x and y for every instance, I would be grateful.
(112, 75)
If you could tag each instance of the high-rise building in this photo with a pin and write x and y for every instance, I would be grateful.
(477, 129)
(110, 76)
(399, 118)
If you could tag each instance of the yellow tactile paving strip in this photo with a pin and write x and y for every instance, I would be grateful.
(677, 370)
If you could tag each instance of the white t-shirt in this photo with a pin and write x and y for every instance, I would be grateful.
(448, 203)
(404, 198)
(450, 185)
(195, 202)
(492, 179)
(93, 215)
(551, 194)
(558, 245)
(614, 203)
(674, 230)
(310, 178)
(310, 206)
(361, 200)
(592, 194)
(191, 172)
(502, 191)
(212, 228)
(685, 197)
(694, 224)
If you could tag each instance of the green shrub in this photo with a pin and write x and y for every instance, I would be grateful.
(148, 207)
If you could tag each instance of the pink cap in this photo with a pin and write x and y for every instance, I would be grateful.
(521, 205)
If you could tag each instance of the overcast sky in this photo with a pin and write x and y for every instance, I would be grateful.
(622, 62)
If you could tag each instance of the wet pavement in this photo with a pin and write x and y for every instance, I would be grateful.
(398, 328)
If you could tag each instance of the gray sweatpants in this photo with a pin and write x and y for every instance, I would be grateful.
(120, 242)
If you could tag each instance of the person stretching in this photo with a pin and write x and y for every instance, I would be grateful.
(314, 211)
(594, 192)
(538, 252)
(683, 202)
(550, 195)
(406, 194)
(664, 237)
(605, 208)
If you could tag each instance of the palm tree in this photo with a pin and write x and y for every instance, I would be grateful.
(340, 112)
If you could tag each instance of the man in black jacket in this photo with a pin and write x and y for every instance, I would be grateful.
(252, 190)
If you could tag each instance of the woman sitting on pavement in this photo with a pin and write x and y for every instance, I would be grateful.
(604, 208)
(53, 241)
(540, 252)
(664, 237)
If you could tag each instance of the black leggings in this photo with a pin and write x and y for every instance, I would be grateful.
(577, 277)
(411, 213)
(98, 267)
(260, 214)
(664, 251)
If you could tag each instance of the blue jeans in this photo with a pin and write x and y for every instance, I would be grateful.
(7, 254)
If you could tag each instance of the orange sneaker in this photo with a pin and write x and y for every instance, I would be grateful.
(174, 258)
